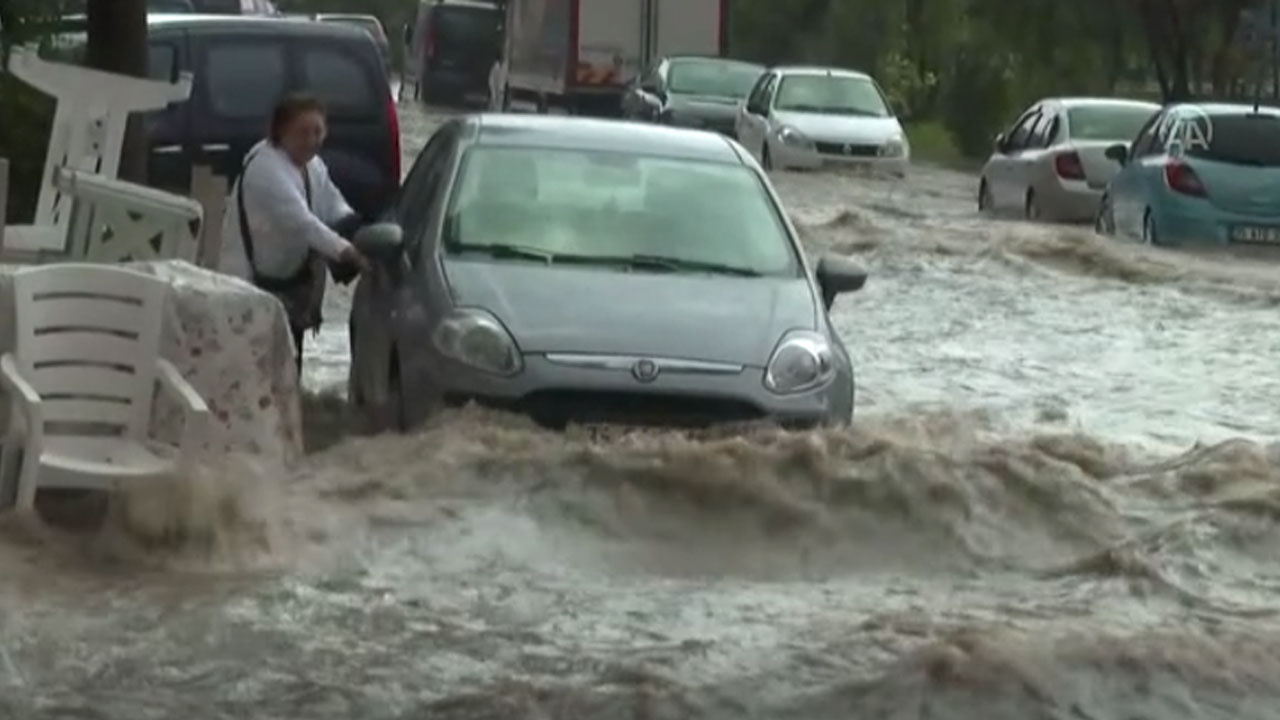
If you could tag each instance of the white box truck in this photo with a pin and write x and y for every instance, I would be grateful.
(581, 54)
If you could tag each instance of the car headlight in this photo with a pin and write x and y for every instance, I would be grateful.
(895, 147)
(793, 137)
(803, 360)
(476, 338)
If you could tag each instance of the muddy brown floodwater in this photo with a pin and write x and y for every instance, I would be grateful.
(1059, 501)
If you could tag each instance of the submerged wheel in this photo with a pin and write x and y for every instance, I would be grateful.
(984, 197)
(1105, 222)
(1149, 236)
(1032, 210)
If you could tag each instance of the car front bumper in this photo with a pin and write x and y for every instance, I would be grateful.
(810, 157)
(558, 389)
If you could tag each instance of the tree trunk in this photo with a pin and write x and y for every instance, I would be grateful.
(118, 44)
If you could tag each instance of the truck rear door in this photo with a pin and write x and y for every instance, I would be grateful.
(686, 27)
(611, 48)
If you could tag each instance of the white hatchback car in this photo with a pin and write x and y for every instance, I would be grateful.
(811, 117)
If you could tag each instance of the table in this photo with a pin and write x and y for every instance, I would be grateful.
(232, 342)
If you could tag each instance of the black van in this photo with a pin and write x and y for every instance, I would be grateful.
(451, 47)
(241, 67)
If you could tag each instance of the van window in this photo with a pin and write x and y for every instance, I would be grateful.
(338, 78)
(245, 78)
(161, 59)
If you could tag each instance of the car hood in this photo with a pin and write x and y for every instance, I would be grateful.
(841, 128)
(596, 310)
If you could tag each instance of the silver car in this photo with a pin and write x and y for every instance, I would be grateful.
(802, 117)
(595, 271)
(1052, 163)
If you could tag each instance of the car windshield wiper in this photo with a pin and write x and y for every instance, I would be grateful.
(505, 250)
(650, 262)
(696, 265)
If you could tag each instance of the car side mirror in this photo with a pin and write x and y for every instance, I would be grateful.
(381, 242)
(1118, 153)
(998, 143)
(839, 275)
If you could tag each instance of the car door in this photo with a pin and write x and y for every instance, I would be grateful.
(1000, 174)
(239, 77)
(1126, 192)
(167, 130)
(383, 294)
(752, 116)
(1028, 161)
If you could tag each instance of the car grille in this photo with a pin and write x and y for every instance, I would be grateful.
(848, 149)
(556, 408)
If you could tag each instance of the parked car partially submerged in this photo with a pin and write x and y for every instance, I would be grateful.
(692, 91)
(814, 117)
(584, 270)
(1198, 174)
(1051, 164)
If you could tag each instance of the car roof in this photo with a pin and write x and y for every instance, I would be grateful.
(818, 70)
(719, 58)
(550, 131)
(1229, 108)
(345, 16)
(1085, 101)
(477, 4)
(294, 24)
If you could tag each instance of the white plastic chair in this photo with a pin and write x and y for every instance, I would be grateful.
(87, 354)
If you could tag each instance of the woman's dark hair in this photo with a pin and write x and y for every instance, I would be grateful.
(288, 110)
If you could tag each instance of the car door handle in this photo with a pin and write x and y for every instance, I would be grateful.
(166, 150)
(215, 147)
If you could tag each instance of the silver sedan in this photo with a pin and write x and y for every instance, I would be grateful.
(1052, 164)
(583, 270)
(810, 118)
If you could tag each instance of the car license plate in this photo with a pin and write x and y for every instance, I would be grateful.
(1249, 234)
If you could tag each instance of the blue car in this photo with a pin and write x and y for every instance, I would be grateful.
(1198, 174)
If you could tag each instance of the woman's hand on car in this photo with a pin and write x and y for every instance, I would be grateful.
(351, 256)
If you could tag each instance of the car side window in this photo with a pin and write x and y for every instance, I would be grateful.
(1052, 131)
(422, 188)
(757, 92)
(1021, 132)
(1147, 142)
(338, 77)
(766, 98)
(244, 78)
(1039, 132)
(162, 61)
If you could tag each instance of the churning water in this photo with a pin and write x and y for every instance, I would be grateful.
(1060, 501)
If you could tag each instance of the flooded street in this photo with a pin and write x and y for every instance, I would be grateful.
(1059, 501)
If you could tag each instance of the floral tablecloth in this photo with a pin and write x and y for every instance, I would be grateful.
(231, 341)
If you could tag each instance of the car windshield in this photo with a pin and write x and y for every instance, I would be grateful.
(612, 208)
(1236, 138)
(835, 94)
(1107, 122)
(715, 78)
